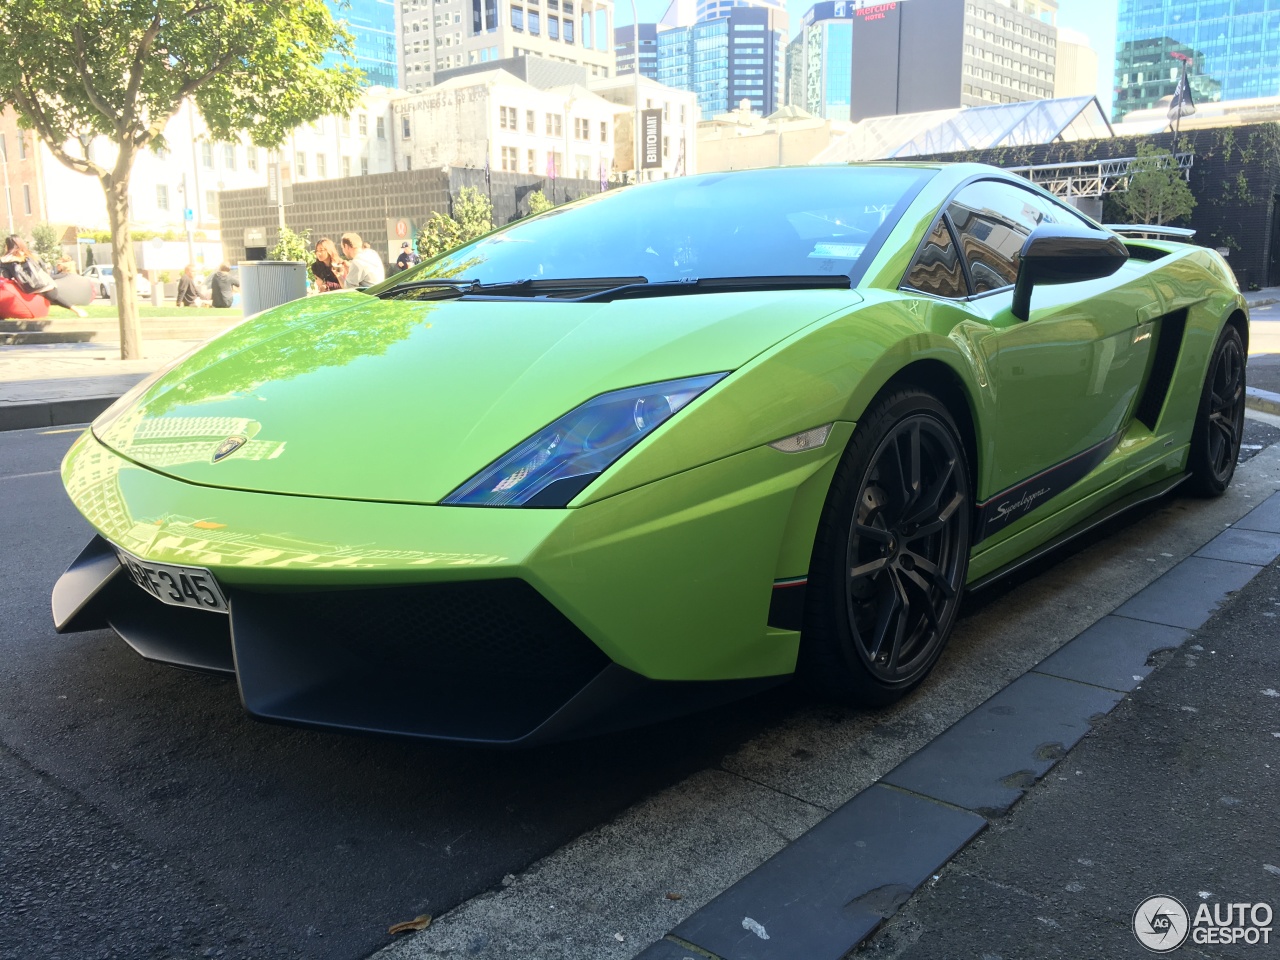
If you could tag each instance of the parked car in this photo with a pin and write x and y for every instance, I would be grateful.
(103, 277)
(663, 446)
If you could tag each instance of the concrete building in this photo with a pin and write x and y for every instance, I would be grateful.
(1076, 70)
(677, 131)
(496, 118)
(1234, 47)
(744, 140)
(21, 160)
(726, 59)
(819, 61)
(440, 35)
(940, 54)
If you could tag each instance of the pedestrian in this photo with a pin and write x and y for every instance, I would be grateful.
(220, 285)
(32, 274)
(408, 257)
(328, 268)
(364, 266)
(188, 290)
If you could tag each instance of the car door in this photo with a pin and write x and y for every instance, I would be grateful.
(1062, 384)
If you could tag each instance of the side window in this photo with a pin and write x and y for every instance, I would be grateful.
(936, 268)
(992, 220)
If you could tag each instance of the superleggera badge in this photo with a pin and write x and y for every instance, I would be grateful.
(228, 446)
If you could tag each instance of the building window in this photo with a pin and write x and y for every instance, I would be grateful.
(581, 128)
(229, 156)
(604, 131)
(321, 166)
(206, 155)
(583, 166)
(408, 162)
(533, 162)
(362, 124)
(517, 18)
(300, 163)
(404, 128)
(346, 166)
(509, 159)
(162, 196)
(364, 166)
(555, 127)
(535, 23)
(26, 198)
(251, 158)
(211, 203)
(530, 123)
(344, 126)
(568, 28)
(507, 118)
(553, 28)
(381, 128)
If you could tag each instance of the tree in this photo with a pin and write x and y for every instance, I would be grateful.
(292, 246)
(1157, 190)
(473, 217)
(44, 240)
(538, 203)
(121, 69)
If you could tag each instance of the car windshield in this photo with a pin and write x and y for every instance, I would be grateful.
(784, 222)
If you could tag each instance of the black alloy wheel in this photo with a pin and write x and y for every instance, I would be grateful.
(1219, 425)
(897, 524)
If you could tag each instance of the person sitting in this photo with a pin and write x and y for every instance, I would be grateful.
(32, 274)
(328, 268)
(220, 287)
(364, 266)
(188, 289)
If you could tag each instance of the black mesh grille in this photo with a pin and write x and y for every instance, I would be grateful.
(498, 641)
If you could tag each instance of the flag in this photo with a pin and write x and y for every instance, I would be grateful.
(1182, 105)
(551, 165)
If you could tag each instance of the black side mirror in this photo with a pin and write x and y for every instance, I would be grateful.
(1064, 253)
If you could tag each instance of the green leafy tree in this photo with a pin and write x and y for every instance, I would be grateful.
(538, 203)
(44, 240)
(472, 218)
(292, 246)
(121, 69)
(1157, 192)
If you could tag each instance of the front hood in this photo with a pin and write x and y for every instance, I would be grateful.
(352, 397)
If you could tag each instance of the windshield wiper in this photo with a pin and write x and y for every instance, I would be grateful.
(604, 289)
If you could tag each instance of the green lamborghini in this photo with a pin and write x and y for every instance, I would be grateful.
(654, 449)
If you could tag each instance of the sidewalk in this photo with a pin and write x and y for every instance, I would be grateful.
(56, 384)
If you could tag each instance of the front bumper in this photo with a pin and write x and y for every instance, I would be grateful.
(487, 624)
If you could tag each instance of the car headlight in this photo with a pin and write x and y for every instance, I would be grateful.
(556, 464)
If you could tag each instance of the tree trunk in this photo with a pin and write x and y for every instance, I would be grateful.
(126, 266)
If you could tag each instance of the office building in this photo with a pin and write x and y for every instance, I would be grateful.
(940, 54)
(820, 61)
(624, 40)
(1234, 50)
(727, 59)
(441, 35)
(372, 24)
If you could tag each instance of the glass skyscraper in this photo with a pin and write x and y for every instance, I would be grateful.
(373, 24)
(1233, 45)
(820, 61)
(727, 59)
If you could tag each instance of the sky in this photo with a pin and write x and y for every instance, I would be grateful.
(1096, 19)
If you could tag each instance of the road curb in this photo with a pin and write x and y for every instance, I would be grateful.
(1254, 304)
(827, 892)
(1263, 401)
(52, 413)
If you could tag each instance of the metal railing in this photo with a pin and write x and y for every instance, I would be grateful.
(1096, 178)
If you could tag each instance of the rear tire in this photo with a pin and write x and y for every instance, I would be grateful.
(891, 553)
(1219, 425)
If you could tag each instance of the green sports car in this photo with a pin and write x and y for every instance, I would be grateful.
(654, 449)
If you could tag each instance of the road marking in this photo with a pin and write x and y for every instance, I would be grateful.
(21, 476)
(52, 433)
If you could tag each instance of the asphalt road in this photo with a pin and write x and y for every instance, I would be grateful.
(144, 814)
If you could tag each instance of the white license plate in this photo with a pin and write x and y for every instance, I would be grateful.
(192, 587)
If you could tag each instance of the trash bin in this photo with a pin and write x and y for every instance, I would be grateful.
(269, 283)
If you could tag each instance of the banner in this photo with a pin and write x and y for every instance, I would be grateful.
(651, 139)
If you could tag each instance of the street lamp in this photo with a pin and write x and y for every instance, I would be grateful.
(635, 70)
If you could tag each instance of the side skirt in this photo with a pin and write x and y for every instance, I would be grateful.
(1110, 511)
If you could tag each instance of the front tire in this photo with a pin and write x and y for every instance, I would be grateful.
(1219, 425)
(891, 554)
